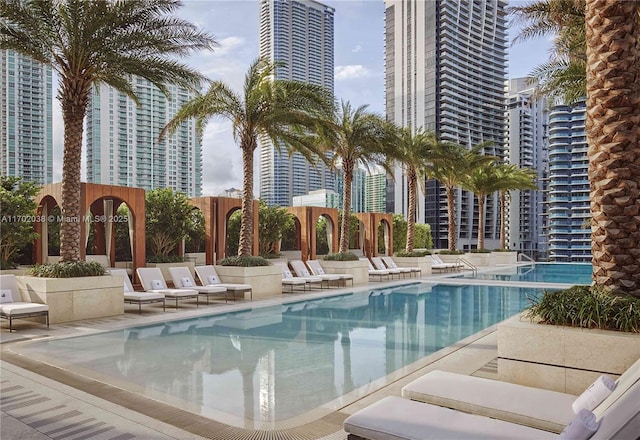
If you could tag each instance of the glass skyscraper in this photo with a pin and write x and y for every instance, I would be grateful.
(26, 118)
(298, 33)
(446, 64)
(123, 146)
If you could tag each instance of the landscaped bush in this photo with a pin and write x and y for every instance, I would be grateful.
(503, 250)
(244, 261)
(165, 259)
(448, 252)
(412, 254)
(341, 256)
(480, 251)
(271, 256)
(68, 270)
(587, 307)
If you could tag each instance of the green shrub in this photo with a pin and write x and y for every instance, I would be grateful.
(165, 259)
(341, 256)
(448, 252)
(68, 270)
(412, 254)
(587, 307)
(271, 256)
(244, 261)
(503, 250)
(480, 251)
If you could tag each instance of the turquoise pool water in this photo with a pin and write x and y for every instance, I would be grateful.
(569, 273)
(275, 363)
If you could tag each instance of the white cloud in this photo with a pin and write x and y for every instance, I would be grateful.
(356, 49)
(351, 72)
(228, 45)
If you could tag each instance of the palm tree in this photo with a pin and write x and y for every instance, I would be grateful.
(510, 178)
(613, 136)
(281, 111)
(355, 136)
(481, 180)
(89, 42)
(450, 166)
(414, 150)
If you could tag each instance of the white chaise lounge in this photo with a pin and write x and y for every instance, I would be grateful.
(152, 281)
(373, 272)
(209, 277)
(379, 265)
(411, 270)
(139, 298)
(289, 279)
(301, 271)
(395, 418)
(12, 308)
(182, 279)
(316, 269)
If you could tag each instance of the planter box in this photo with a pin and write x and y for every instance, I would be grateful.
(448, 258)
(480, 259)
(164, 267)
(16, 272)
(199, 258)
(565, 359)
(72, 299)
(266, 281)
(505, 257)
(359, 269)
(423, 263)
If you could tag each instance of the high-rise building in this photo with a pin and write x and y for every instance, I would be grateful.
(26, 118)
(446, 64)
(298, 33)
(528, 142)
(568, 200)
(123, 146)
(324, 198)
(358, 188)
(376, 191)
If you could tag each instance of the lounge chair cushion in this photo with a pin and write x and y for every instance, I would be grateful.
(143, 296)
(395, 418)
(22, 308)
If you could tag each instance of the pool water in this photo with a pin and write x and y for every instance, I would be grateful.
(569, 273)
(276, 363)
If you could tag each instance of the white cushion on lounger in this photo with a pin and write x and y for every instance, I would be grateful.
(209, 277)
(542, 409)
(20, 308)
(395, 418)
(142, 296)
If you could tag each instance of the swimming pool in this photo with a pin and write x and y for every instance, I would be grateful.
(271, 364)
(569, 273)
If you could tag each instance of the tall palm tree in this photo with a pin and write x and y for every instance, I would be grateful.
(414, 151)
(89, 42)
(481, 180)
(355, 136)
(281, 111)
(450, 166)
(613, 136)
(510, 178)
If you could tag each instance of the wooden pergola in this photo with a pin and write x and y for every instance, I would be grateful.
(100, 203)
(307, 217)
(368, 240)
(216, 212)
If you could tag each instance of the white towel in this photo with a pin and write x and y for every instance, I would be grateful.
(595, 394)
(582, 427)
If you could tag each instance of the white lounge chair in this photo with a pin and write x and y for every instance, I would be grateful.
(301, 270)
(373, 272)
(439, 265)
(182, 279)
(288, 276)
(410, 270)
(12, 308)
(395, 418)
(534, 407)
(209, 277)
(139, 298)
(152, 281)
(379, 265)
(316, 269)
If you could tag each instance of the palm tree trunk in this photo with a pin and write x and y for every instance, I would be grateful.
(245, 245)
(451, 211)
(503, 228)
(412, 181)
(74, 100)
(613, 136)
(481, 200)
(347, 168)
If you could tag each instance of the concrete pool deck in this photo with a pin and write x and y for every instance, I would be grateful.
(41, 402)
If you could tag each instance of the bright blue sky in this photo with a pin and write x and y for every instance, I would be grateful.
(359, 70)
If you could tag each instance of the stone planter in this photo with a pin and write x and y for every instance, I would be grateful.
(359, 269)
(450, 258)
(16, 272)
(565, 359)
(505, 257)
(423, 263)
(266, 281)
(72, 299)
(164, 267)
(200, 258)
(480, 259)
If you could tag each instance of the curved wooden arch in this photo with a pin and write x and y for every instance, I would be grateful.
(216, 212)
(308, 217)
(90, 194)
(370, 221)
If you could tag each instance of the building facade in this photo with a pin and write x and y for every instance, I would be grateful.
(123, 145)
(358, 188)
(568, 200)
(323, 198)
(26, 118)
(300, 34)
(376, 191)
(445, 68)
(528, 148)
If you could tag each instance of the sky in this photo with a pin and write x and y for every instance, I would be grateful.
(359, 71)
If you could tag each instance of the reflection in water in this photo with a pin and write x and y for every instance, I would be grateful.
(270, 364)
